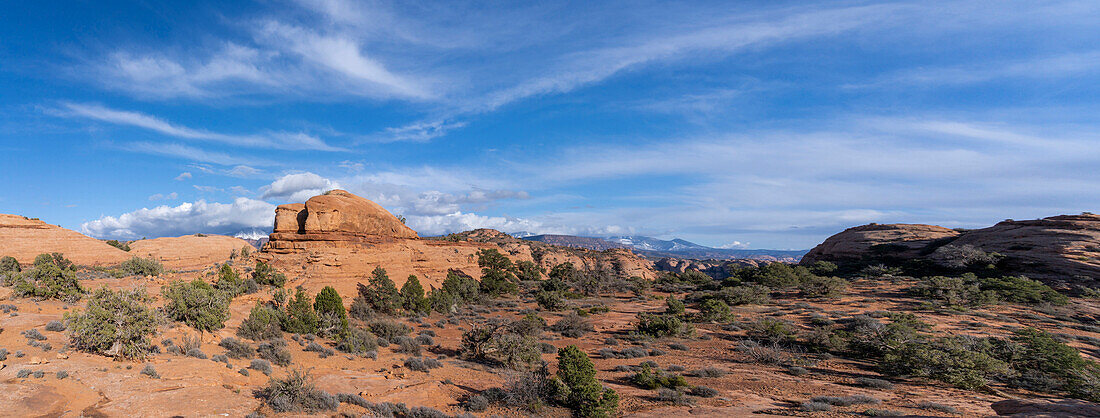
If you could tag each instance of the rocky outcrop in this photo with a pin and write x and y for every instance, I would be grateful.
(1058, 248)
(25, 238)
(1046, 408)
(895, 240)
(337, 239)
(1065, 246)
(334, 219)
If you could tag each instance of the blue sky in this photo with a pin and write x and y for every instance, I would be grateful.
(763, 124)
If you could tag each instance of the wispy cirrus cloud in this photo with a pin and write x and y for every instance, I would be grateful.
(278, 140)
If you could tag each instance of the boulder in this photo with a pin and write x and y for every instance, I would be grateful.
(1046, 408)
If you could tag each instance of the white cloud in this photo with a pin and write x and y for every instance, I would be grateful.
(278, 140)
(187, 218)
(736, 245)
(183, 176)
(344, 56)
(459, 221)
(298, 187)
(191, 153)
(243, 171)
(159, 196)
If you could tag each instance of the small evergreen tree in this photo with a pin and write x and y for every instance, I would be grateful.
(228, 280)
(330, 310)
(263, 323)
(300, 317)
(380, 292)
(264, 274)
(585, 395)
(412, 296)
(674, 306)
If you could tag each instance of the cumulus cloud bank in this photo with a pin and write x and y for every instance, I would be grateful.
(298, 187)
(187, 218)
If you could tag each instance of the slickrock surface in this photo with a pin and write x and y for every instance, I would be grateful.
(189, 252)
(25, 238)
(1059, 246)
(905, 241)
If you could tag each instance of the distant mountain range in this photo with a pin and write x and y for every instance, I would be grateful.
(653, 247)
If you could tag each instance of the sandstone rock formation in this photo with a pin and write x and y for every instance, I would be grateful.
(189, 252)
(336, 218)
(24, 238)
(338, 238)
(898, 240)
(1065, 247)
(1047, 408)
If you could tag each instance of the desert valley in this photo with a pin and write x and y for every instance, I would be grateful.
(346, 311)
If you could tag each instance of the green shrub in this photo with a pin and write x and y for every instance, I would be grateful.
(463, 287)
(1022, 290)
(137, 266)
(714, 310)
(300, 316)
(388, 329)
(265, 275)
(228, 281)
(971, 290)
(115, 324)
(263, 323)
(647, 378)
(124, 246)
(496, 283)
(579, 389)
(771, 330)
(296, 393)
(673, 306)
(823, 268)
(959, 361)
(196, 304)
(55, 259)
(412, 296)
(826, 287)
(333, 318)
(872, 339)
(749, 294)
(551, 301)
(48, 280)
(776, 275)
(9, 266)
(380, 293)
(528, 271)
(1042, 363)
(572, 325)
(236, 349)
(496, 273)
(357, 341)
(658, 326)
